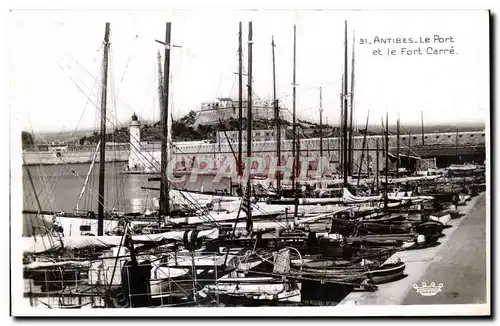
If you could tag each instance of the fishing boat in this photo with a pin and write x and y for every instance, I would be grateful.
(387, 273)
(247, 287)
(430, 227)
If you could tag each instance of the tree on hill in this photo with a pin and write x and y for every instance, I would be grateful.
(189, 118)
(184, 129)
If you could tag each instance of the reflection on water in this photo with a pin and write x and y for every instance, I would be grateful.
(58, 188)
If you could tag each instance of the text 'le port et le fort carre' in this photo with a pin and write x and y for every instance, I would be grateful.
(412, 46)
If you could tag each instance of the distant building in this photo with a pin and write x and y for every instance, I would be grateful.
(227, 108)
(257, 136)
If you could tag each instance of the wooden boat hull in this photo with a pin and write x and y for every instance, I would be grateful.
(387, 273)
(430, 227)
(382, 228)
(255, 291)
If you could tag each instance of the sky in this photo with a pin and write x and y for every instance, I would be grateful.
(55, 60)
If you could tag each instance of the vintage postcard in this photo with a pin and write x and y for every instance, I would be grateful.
(331, 163)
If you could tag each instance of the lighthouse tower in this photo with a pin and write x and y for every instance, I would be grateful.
(134, 161)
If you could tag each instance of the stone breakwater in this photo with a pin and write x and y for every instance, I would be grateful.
(146, 156)
(73, 157)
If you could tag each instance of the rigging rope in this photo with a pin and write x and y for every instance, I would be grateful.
(139, 150)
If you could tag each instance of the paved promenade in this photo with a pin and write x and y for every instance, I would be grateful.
(460, 265)
(458, 262)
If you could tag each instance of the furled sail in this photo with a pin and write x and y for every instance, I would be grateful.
(34, 245)
(350, 198)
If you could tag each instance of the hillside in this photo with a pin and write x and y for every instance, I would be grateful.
(184, 130)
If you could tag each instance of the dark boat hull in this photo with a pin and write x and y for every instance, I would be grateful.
(387, 273)
(430, 227)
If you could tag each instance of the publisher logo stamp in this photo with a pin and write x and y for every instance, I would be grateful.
(428, 290)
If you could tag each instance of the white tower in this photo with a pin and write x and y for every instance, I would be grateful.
(134, 161)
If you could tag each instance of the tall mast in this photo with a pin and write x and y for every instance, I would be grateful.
(422, 122)
(363, 149)
(397, 149)
(367, 159)
(102, 157)
(295, 181)
(320, 123)
(341, 139)
(346, 153)
(294, 127)
(249, 125)
(409, 150)
(351, 113)
(386, 158)
(328, 141)
(160, 100)
(240, 102)
(277, 121)
(164, 197)
(383, 133)
(377, 167)
(160, 80)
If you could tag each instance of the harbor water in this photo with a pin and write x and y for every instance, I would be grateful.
(58, 188)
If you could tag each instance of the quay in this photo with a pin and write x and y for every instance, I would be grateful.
(459, 263)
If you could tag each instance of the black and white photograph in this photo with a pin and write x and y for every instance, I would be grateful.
(280, 162)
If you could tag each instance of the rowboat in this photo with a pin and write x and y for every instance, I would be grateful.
(387, 273)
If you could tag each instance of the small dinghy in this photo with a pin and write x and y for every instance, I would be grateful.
(430, 227)
(387, 273)
(454, 214)
(328, 263)
(442, 217)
